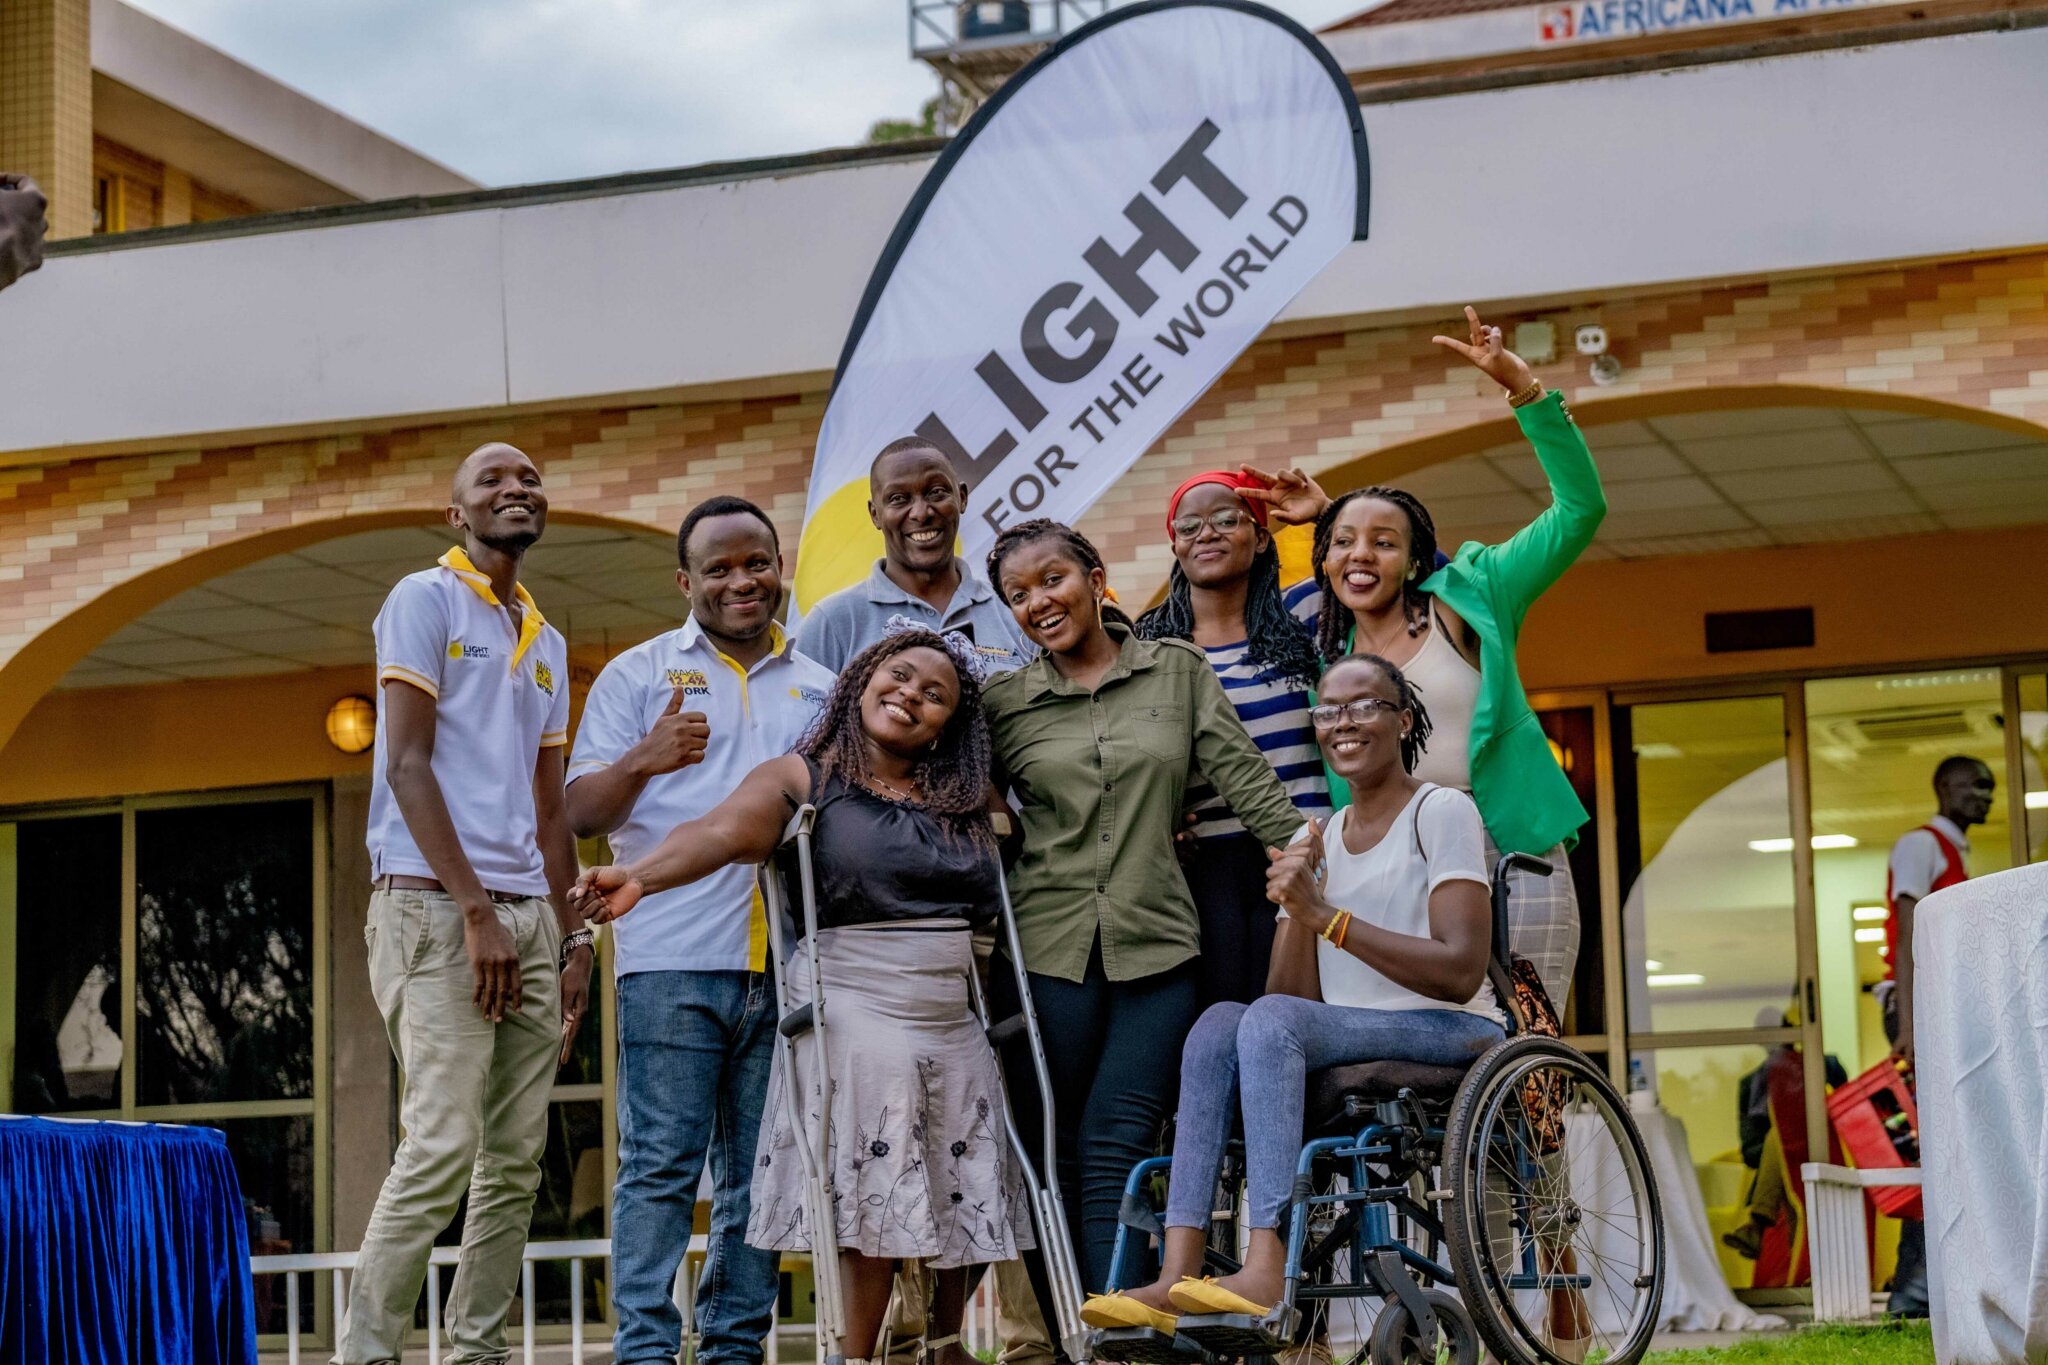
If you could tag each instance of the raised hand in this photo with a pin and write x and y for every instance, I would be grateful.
(676, 741)
(602, 894)
(1291, 497)
(1489, 352)
(1294, 881)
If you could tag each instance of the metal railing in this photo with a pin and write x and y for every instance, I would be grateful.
(1837, 1240)
(978, 1330)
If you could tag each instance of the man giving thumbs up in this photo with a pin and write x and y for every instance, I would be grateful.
(670, 728)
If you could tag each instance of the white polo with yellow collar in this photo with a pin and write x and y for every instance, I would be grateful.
(754, 715)
(502, 695)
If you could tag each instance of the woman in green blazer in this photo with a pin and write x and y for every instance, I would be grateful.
(1452, 628)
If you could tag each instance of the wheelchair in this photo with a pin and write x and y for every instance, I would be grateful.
(1471, 1207)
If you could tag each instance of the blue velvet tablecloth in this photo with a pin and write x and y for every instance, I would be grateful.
(121, 1242)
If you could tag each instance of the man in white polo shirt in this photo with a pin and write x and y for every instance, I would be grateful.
(476, 958)
(669, 729)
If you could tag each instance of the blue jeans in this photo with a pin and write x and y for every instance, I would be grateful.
(694, 1051)
(1266, 1050)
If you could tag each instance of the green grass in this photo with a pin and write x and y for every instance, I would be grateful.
(1888, 1343)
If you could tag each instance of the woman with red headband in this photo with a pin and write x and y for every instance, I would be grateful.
(1224, 598)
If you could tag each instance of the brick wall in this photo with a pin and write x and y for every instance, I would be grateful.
(1973, 333)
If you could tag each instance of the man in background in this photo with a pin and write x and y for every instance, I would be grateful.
(1924, 861)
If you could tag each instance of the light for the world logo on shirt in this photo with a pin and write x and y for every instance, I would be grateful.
(691, 680)
(459, 650)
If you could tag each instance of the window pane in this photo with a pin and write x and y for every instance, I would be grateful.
(274, 1162)
(1708, 917)
(67, 943)
(1874, 744)
(1703, 1111)
(570, 1205)
(224, 932)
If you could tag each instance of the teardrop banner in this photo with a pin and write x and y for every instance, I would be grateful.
(1107, 234)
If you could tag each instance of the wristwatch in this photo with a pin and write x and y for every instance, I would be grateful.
(581, 938)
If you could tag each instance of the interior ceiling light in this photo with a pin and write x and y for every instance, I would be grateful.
(2037, 800)
(1653, 965)
(1818, 841)
(1867, 913)
(1658, 749)
(1677, 979)
(1936, 680)
(1873, 934)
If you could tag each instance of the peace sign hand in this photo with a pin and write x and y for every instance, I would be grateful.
(1489, 352)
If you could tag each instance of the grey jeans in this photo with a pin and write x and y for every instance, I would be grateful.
(474, 1110)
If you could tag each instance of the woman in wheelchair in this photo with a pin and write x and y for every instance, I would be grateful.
(905, 865)
(1381, 955)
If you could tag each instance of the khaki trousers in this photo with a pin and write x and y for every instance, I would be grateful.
(474, 1110)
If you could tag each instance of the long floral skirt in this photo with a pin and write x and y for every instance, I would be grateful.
(919, 1163)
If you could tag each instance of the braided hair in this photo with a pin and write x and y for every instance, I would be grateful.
(1039, 528)
(1410, 698)
(1333, 619)
(1273, 638)
(953, 775)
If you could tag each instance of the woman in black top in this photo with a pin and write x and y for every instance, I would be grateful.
(905, 866)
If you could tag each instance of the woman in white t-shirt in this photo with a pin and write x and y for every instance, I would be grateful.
(1380, 955)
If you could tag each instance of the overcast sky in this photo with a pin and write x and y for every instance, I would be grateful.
(513, 91)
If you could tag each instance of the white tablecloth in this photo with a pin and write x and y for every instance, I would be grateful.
(1980, 1028)
(1696, 1297)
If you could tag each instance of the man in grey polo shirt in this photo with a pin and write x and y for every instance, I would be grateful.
(916, 502)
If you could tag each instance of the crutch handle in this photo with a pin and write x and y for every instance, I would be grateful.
(797, 1021)
(1007, 1031)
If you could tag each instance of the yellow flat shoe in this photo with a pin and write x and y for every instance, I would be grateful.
(1202, 1297)
(1121, 1310)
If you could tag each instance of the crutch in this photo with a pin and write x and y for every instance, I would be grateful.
(1049, 1214)
(814, 1149)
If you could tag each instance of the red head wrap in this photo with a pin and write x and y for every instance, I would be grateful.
(1237, 483)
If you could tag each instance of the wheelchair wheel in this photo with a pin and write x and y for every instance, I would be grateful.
(1558, 1245)
(1395, 1340)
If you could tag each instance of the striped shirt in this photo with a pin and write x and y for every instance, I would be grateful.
(1274, 709)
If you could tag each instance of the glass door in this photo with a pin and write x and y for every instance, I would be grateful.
(2026, 758)
(1709, 801)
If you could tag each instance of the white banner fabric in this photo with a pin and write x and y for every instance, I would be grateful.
(1104, 238)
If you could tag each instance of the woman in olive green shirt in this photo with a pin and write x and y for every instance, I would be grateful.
(1095, 737)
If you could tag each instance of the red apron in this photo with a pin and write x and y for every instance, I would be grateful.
(1952, 871)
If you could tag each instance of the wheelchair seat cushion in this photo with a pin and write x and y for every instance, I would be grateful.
(1328, 1088)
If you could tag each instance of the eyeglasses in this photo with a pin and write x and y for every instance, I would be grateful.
(1360, 712)
(1223, 519)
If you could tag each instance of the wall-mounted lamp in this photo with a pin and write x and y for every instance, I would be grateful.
(352, 724)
